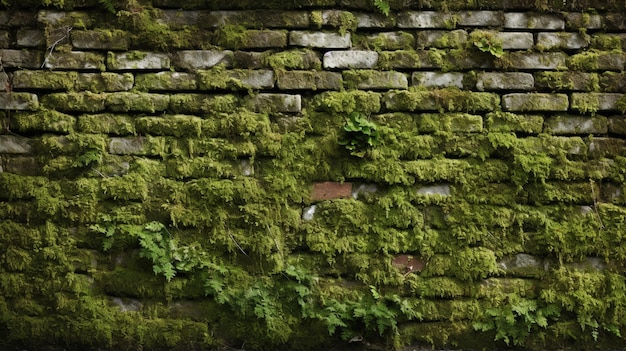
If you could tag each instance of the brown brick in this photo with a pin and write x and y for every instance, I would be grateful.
(331, 190)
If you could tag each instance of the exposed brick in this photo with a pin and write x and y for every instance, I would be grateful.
(592, 102)
(177, 19)
(21, 58)
(441, 38)
(239, 79)
(276, 103)
(577, 20)
(425, 19)
(100, 39)
(480, 18)
(30, 38)
(504, 81)
(350, 59)
(137, 61)
(330, 191)
(104, 82)
(374, 20)
(535, 102)
(203, 103)
(516, 40)
(11, 144)
(326, 40)
(261, 39)
(69, 18)
(249, 60)
(571, 124)
(5, 39)
(537, 61)
(602, 147)
(19, 19)
(18, 101)
(294, 80)
(76, 60)
(434, 100)
(257, 18)
(375, 79)
(388, 41)
(525, 20)
(126, 102)
(563, 40)
(165, 81)
(617, 125)
(201, 59)
(438, 79)
(566, 80)
(128, 146)
(437, 189)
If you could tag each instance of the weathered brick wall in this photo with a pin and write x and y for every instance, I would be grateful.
(174, 175)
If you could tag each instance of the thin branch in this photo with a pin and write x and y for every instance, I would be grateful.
(53, 46)
(236, 243)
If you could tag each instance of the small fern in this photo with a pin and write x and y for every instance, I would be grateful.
(382, 6)
(108, 5)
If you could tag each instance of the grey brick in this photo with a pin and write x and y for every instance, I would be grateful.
(405, 59)
(165, 81)
(389, 41)
(76, 60)
(100, 40)
(104, 82)
(537, 60)
(571, 124)
(137, 61)
(18, 101)
(441, 38)
(127, 146)
(438, 79)
(250, 60)
(535, 102)
(54, 18)
(480, 18)
(567, 80)
(350, 59)
(327, 40)
(592, 102)
(437, 189)
(371, 20)
(28, 166)
(596, 61)
(19, 19)
(617, 125)
(176, 19)
(258, 19)
(30, 38)
(504, 81)
(369, 79)
(516, 40)
(261, 39)
(202, 59)
(425, 19)
(11, 144)
(275, 103)
(576, 20)
(525, 20)
(21, 58)
(310, 80)
(562, 40)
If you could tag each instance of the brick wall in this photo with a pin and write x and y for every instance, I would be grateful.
(176, 178)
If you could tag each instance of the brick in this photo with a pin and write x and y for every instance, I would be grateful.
(374, 20)
(596, 61)
(525, 20)
(64, 18)
(438, 79)
(309, 80)
(514, 122)
(275, 103)
(504, 81)
(106, 123)
(425, 19)
(326, 40)
(18, 19)
(48, 80)
(165, 81)
(535, 102)
(295, 59)
(388, 41)
(572, 124)
(441, 38)
(600, 147)
(250, 60)
(537, 61)
(235, 79)
(177, 19)
(74, 102)
(480, 18)
(577, 20)
(43, 120)
(369, 79)
(516, 40)
(135, 60)
(128, 146)
(5, 39)
(176, 125)
(257, 19)
(21, 58)
(18, 101)
(566, 80)
(350, 59)
(201, 59)
(617, 125)
(405, 59)
(76, 60)
(453, 122)
(560, 41)
(11, 144)
(592, 102)
(330, 191)
(126, 102)
(31, 38)
(104, 82)
(440, 100)
(261, 39)
(203, 103)
(100, 39)
(437, 189)
(27, 166)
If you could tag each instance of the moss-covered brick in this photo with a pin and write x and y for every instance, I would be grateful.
(309, 80)
(176, 125)
(607, 42)
(606, 147)
(250, 59)
(201, 59)
(235, 79)
(375, 80)
(480, 18)
(165, 81)
(137, 60)
(43, 120)
(575, 21)
(447, 99)
(275, 102)
(571, 124)
(451, 122)
(348, 101)
(512, 122)
(593, 102)
(344, 21)
(236, 37)
(385, 41)
(425, 19)
(294, 59)
(106, 123)
(568, 193)
(326, 40)
(404, 59)
(104, 82)
(258, 18)
(18, 101)
(74, 102)
(100, 39)
(561, 41)
(617, 125)
(11, 144)
(613, 82)
(559, 81)
(536, 60)
(441, 39)
(24, 79)
(126, 101)
(22, 165)
(504, 81)
(535, 102)
(594, 60)
(21, 58)
(201, 103)
(201, 167)
(76, 60)
(523, 20)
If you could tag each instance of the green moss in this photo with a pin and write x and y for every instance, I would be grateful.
(43, 120)
(294, 59)
(348, 101)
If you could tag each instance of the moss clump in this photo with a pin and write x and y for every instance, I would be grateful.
(294, 59)
(348, 101)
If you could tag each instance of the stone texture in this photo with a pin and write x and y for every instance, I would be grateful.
(561, 41)
(537, 60)
(373, 20)
(617, 125)
(576, 20)
(44, 80)
(127, 146)
(258, 18)
(331, 190)
(5, 39)
(276, 103)
(425, 19)
(516, 40)
(126, 101)
(438, 79)
(76, 60)
(12, 144)
(568, 80)
(74, 102)
(326, 40)
(535, 102)
(100, 39)
(405, 59)
(31, 38)
(480, 18)
(18, 101)
(441, 38)
(388, 41)
(504, 81)
(514, 122)
(135, 60)
(201, 59)
(525, 20)
(309, 80)
(236, 79)
(377, 80)
(592, 102)
(262, 39)
(21, 58)
(166, 81)
(572, 124)
(436, 189)
(596, 61)
(350, 59)
(104, 82)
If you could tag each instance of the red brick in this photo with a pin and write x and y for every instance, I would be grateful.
(408, 263)
(331, 190)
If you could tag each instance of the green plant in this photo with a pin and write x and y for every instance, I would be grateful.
(487, 42)
(382, 6)
(360, 134)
